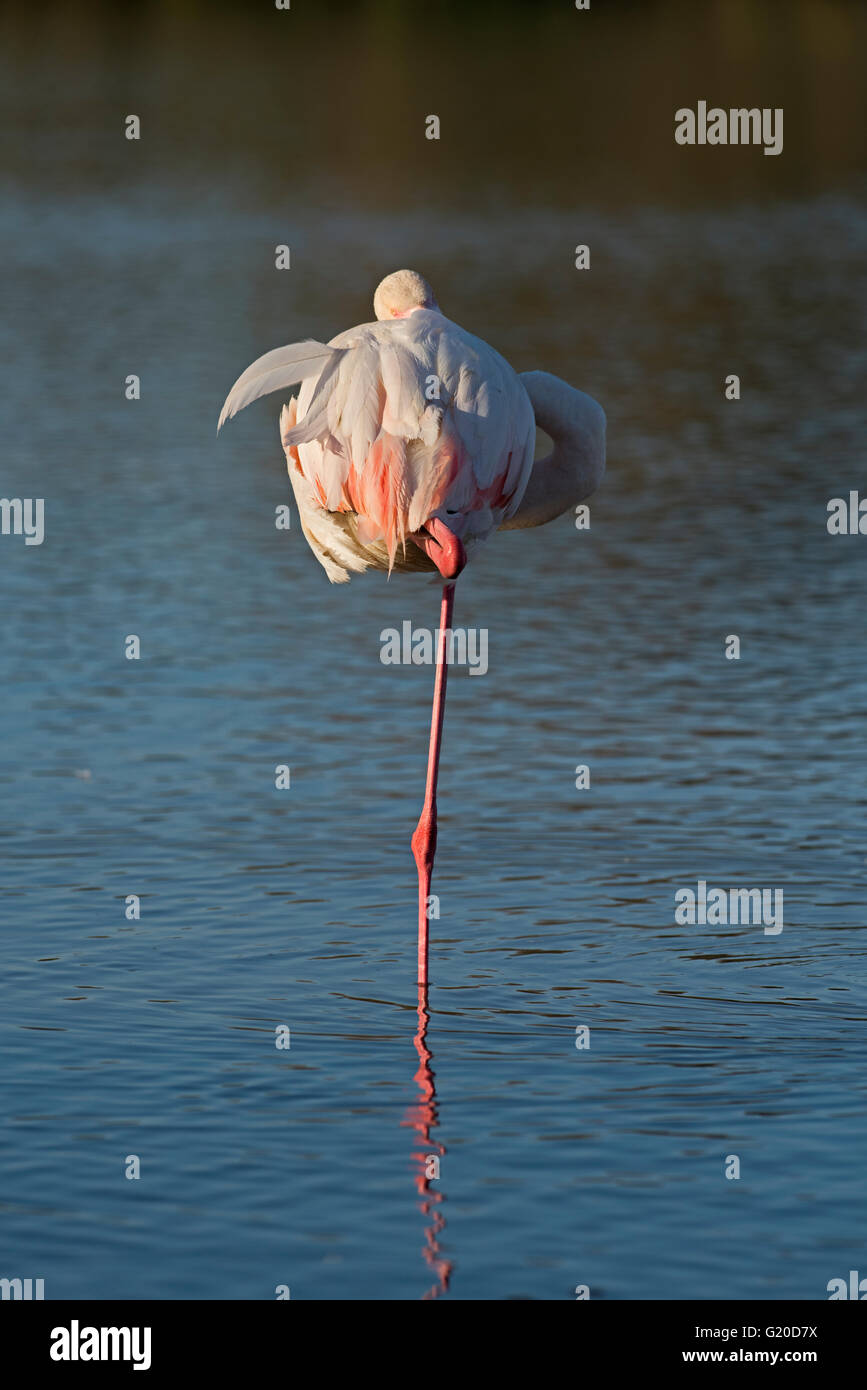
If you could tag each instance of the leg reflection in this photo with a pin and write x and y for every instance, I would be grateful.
(423, 1118)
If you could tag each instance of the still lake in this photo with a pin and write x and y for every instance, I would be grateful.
(155, 1037)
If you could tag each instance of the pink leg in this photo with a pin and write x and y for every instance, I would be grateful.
(424, 841)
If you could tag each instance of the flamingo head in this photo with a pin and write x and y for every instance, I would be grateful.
(402, 292)
(442, 545)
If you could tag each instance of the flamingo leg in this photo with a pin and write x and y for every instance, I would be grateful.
(424, 841)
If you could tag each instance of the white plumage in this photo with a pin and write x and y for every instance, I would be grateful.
(410, 428)
(397, 422)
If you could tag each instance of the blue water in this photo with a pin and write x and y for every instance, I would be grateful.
(155, 1037)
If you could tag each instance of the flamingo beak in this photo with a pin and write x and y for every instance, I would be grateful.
(442, 546)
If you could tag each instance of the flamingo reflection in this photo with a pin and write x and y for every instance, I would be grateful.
(423, 1118)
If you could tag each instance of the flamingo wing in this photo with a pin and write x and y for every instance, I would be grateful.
(282, 367)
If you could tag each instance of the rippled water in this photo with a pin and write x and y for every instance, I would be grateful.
(260, 908)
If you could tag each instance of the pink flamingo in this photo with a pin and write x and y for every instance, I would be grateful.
(411, 441)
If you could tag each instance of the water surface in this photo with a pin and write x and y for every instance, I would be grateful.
(259, 908)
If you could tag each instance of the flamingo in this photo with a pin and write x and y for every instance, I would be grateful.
(409, 443)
